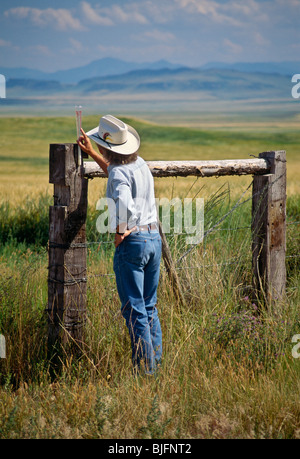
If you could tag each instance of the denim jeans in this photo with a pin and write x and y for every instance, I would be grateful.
(136, 266)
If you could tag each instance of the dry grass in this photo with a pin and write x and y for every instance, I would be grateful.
(228, 372)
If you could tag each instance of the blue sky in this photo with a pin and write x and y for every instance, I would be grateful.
(61, 34)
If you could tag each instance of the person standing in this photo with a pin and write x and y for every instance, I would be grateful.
(133, 218)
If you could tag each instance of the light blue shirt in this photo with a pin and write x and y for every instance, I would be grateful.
(130, 195)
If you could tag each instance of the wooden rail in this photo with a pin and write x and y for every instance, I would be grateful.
(194, 168)
(67, 280)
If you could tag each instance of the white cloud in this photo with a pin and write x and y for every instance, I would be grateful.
(292, 3)
(112, 15)
(234, 48)
(251, 11)
(60, 19)
(76, 45)
(233, 12)
(208, 8)
(92, 16)
(245, 9)
(131, 15)
(260, 40)
(159, 12)
(8, 45)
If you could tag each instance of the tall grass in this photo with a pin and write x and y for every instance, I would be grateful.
(228, 369)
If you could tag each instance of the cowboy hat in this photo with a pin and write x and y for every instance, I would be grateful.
(115, 136)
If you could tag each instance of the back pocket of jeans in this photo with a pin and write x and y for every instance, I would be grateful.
(134, 250)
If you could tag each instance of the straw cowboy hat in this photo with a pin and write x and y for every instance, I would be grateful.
(115, 136)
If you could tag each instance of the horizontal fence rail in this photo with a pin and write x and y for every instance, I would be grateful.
(194, 168)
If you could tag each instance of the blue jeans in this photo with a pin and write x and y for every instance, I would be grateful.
(136, 266)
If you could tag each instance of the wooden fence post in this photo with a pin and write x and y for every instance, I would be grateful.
(269, 228)
(67, 248)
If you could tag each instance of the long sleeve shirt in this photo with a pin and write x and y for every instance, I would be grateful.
(130, 195)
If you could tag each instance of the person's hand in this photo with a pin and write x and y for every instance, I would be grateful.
(119, 238)
(85, 143)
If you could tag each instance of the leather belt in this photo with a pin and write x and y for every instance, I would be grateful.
(149, 227)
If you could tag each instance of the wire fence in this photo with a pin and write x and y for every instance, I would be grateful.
(214, 227)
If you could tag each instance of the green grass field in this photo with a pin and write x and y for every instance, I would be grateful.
(228, 369)
(25, 143)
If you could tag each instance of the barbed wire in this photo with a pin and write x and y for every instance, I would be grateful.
(232, 261)
(215, 229)
(293, 223)
(238, 204)
(209, 231)
(102, 275)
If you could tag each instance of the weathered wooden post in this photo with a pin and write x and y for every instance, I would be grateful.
(269, 228)
(67, 248)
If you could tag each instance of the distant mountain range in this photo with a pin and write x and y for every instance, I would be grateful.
(214, 81)
(97, 68)
(287, 68)
(110, 66)
(221, 84)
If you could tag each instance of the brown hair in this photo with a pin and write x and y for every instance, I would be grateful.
(116, 158)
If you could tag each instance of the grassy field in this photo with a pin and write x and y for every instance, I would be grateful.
(25, 143)
(228, 369)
